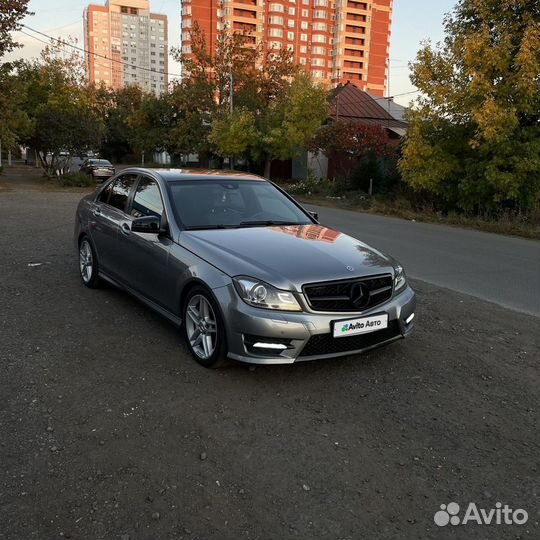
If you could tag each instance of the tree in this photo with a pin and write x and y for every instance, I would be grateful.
(289, 122)
(474, 138)
(234, 133)
(348, 143)
(61, 109)
(14, 122)
(272, 98)
(64, 129)
(11, 13)
(118, 107)
(148, 125)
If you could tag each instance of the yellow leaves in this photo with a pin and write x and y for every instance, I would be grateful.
(528, 61)
(425, 164)
(495, 120)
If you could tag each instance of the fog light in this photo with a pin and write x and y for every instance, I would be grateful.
(409, 319)
(260, 345)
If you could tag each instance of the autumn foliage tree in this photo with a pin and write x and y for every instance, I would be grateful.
(474, 138)
(251, 103)
(11, 13)
(348, 143)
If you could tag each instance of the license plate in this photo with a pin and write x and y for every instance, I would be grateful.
(363, 325)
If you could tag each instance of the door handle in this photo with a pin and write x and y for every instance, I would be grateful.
(125, 229)
(96, 212)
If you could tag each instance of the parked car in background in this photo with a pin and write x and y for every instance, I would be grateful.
(248, 272)
(100, 169)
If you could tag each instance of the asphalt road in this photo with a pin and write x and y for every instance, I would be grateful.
(501, 269)
(109, 430)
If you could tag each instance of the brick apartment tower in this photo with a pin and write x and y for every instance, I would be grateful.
(337, 40)
(134, 42)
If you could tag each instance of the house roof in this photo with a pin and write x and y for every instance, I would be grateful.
(348, 102)
(395, 109)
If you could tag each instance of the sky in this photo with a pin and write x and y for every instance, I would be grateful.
(413, 22)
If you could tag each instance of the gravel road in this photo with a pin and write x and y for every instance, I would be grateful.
(108, 429)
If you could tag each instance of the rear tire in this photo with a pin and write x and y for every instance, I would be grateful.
(204, 329)
(88, 264)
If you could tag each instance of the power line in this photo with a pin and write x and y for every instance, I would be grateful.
(105, 57)
(404, 94)
(86, 51)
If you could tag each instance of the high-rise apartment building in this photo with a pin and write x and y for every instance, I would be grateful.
(337, 40)
(126, 44)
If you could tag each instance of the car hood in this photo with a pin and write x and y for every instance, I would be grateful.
(287, 257)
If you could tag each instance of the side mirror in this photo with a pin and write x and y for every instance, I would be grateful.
(314, 215)
(146, 224)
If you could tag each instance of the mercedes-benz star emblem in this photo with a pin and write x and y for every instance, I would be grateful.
(359, 295)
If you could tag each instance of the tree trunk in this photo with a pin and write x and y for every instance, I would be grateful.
(267, 165)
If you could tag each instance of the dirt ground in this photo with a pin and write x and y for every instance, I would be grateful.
(109, 430)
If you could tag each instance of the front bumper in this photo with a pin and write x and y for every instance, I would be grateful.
(296, 329)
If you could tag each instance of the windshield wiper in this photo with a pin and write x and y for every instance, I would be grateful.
(209, 227)
(267, 223)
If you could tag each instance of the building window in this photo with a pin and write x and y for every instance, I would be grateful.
(275, 32)
(303, 37)
(277, 7)
(303, 61)
(304, 25)
(319, 14)
(321, 3)
(319, 26)
(292, 11)
(305, 13)
(317, 62)
(276, 19)
(318, 38)
(318, 74)
(290, 36)
(318, 50)
(290, 23)
(303, 49)
(123, 9)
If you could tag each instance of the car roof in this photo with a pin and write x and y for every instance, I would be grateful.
(176, 175)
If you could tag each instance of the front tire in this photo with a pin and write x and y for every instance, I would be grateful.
(204, 329)
(88, 265)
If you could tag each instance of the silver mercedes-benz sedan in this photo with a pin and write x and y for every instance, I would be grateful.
(247, 272)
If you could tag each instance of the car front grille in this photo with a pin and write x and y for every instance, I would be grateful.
(339, 295)
(322, 344)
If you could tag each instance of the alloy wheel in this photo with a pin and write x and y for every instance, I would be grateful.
(86, 261)
(201, 326)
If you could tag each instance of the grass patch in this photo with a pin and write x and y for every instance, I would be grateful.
(75, 180)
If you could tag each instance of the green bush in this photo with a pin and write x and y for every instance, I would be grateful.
(76, 180)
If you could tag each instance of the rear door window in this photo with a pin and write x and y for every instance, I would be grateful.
(120, 191)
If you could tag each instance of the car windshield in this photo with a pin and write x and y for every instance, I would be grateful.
(223, 203)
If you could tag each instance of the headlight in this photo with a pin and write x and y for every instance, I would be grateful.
(259, 294)
(399, 278)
